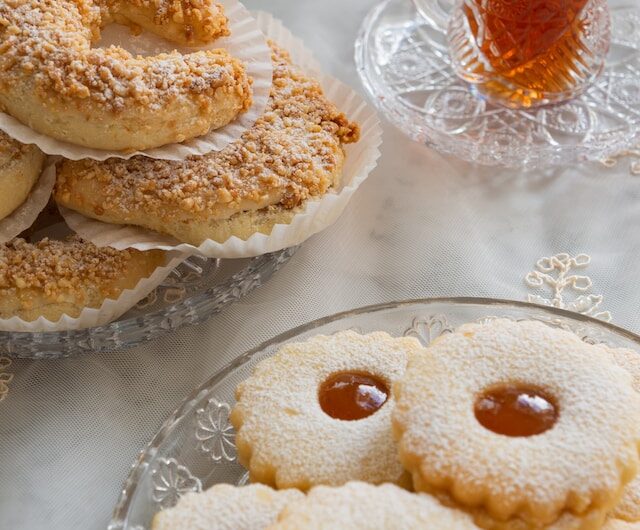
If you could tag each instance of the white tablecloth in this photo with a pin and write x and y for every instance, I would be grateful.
(423, 225)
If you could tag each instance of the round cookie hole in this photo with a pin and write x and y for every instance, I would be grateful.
(516, 410)
(351, 396)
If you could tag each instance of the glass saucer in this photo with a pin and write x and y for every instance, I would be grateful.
(195, 291)
(404, 65)
(195, 448)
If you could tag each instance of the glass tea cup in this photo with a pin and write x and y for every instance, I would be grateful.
(524, 53)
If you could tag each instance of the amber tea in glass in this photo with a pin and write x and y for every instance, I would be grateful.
(525, 53)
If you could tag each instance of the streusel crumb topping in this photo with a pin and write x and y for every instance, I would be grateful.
(57, 266)
(10, 149)
(50, 42)
(290, 152)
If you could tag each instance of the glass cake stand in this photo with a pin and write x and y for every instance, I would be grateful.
(195, 448)
(196, 290)
(404, 65)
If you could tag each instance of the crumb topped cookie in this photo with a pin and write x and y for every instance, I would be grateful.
(293, 154)
(53, 278)
(20, 168)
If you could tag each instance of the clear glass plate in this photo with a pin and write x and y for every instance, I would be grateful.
(196, 290)
(195, 447)
(404, 65)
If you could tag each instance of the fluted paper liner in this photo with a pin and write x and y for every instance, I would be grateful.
(109, 311)
(246, 43)
(27, 213)
(316, 215)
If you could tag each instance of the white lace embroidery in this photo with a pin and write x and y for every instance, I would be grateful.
(555, 272)
(5, 377)
(632, 154)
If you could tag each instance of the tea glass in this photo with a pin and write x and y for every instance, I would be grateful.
(524, 53)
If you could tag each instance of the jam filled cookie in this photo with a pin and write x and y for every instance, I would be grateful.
(293, 154)
(319, 412)
(520, 421)
(360, 506)
(20, 168)
(54, 278)
(225, 507)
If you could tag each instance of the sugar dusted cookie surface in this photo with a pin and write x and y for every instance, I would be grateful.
(226, 507)
(286, 439)
(579, 466)
(360, 506)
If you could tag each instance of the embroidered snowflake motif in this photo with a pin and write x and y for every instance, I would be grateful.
(215, 433)
(5, 377)
(634, 160)
(171, 481)
(556, 273)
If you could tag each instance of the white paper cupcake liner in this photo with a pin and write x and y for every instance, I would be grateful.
(317, 215)
(28, 212)
(246, 43)
(109, 311)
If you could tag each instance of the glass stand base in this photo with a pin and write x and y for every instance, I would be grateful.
(404, 65)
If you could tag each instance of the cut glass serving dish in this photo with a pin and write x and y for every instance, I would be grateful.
(196, 290)
(404, 63)
(195, 448)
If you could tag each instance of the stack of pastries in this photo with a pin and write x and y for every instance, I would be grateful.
(56, 83)
(499, 425)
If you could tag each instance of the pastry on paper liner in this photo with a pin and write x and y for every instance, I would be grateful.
(246, 43)
(24, 216)
(27, 289)
(311, 217)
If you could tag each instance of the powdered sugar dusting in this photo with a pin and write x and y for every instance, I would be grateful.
(286, 440)
(580, 464)
(358, 505)
(225, 507)
(288, 156)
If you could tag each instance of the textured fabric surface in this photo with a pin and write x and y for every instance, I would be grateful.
(422, 225)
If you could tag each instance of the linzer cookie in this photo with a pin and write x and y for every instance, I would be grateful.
(225, 507)
(525, 425)
(358, 506)
(319, 412)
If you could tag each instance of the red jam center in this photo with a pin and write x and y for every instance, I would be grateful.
(515, 410)
(352, 395)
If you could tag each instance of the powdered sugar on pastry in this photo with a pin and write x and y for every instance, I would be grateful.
(360, 506)
(20, 167)
(56, 83)
(581, 464)
(284, 437)
(292, 154)
(225, 507)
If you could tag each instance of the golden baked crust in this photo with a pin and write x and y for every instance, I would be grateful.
(55, 278)
(190, 22)
(292, 154)
(20, 167)
(105, 98)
